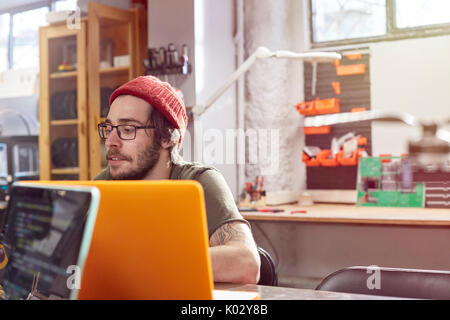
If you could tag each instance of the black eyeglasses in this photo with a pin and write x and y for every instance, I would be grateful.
(125, 131)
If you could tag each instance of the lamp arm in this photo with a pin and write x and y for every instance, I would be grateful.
(348, 117)
(309, 56)
(262, 53)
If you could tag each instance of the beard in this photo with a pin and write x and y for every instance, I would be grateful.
(145, 162)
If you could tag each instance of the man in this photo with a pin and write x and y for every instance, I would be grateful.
(143, 132)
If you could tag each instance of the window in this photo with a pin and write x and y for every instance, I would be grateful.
(26, 39)
(341, 19)
(358, 21)
(416, 13)
(4, 40)
(65, 5)
(19, 39)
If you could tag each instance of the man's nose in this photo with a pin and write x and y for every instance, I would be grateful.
(113, 139)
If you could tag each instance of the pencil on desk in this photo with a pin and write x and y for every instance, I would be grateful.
(298, 211)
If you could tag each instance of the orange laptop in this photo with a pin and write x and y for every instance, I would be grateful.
(150, 241)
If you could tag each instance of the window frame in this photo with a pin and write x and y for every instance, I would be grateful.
(8, 41)
(392, 31)
(50, 4)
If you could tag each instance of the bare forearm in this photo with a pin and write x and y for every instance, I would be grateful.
(234, 256)
(234, 264)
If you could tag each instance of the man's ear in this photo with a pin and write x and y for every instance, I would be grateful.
(166, 144)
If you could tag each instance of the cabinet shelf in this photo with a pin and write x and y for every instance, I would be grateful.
(114, 70)
(64, 122)
(62, 75)
(74, 170)
(58, 43)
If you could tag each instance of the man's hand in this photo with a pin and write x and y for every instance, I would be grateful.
(234, 257)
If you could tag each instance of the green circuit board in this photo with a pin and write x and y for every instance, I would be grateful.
(383, 182)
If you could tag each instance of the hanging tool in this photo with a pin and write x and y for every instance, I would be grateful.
(3, 257)
(314, 78)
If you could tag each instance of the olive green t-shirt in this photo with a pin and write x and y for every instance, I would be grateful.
(219, 201)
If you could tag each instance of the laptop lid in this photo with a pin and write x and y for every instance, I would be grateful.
(150, 242)
(48, 234)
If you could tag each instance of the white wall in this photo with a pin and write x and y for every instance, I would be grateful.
(408, 76)
(215, 61)
(207, 28)
(173, 21)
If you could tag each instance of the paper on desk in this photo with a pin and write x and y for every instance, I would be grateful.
(234, 295)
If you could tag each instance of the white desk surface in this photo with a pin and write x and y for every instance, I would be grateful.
(342, 213)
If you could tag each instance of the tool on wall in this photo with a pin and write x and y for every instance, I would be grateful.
(167, 61)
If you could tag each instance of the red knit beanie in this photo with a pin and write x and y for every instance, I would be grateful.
(160, 95)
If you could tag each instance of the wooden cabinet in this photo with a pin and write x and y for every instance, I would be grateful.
(105, 33)
(116, 31)
(63, 143)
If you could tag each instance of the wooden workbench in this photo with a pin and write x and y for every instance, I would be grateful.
(342, 213)
(282, 293)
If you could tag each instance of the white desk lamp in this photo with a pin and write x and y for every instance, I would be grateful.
(260, 53)
(264, 53)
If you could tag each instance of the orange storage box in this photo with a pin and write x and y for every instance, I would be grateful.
(325, 160)
(352, 69)
(310, 162)
(352, 161)
(317, 130)
(362, 141)
(306, 108)
(327, 106)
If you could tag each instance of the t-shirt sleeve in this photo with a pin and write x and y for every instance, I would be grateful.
(219, 201)
(104, 175)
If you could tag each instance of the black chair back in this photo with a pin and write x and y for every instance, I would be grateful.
(268, 274)
(393, 282)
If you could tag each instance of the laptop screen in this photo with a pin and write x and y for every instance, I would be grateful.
(43, 237)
